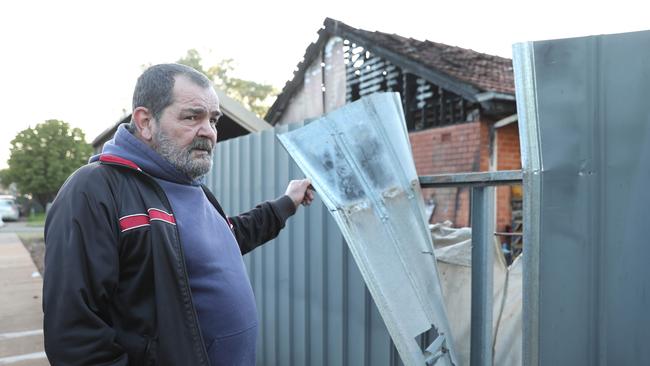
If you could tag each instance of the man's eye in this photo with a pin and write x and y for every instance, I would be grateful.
(213, 121)
(191, 118)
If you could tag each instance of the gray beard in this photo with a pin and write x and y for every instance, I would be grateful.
(181, 158)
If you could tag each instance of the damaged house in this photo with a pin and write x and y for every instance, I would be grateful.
(459, 105)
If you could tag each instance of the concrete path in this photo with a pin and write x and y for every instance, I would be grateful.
(21, 315)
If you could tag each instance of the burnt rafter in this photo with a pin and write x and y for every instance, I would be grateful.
(467, 91)
(475, 78)
(425, 104)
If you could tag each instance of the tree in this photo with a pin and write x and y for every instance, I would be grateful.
(4, 178)
(43, 157)
(255, 96)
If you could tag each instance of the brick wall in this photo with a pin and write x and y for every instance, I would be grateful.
(508, 158)
(451, 149)
(464, 148)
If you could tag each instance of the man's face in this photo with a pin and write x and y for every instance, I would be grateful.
(186, 132)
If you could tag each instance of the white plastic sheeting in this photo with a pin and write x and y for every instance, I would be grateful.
(453, 250)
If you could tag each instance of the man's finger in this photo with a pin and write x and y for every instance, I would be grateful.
(305, 183)
(309, 195)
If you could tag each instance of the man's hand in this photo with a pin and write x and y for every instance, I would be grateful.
(300, 192)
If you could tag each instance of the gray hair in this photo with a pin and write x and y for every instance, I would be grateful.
(154, 88)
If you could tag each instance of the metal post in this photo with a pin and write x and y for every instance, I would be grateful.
(482, 285)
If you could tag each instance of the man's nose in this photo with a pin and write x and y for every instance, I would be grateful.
(206, 130)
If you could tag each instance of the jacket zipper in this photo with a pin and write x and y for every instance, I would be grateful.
(162, 194)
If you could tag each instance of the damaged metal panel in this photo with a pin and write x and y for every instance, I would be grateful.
(585, 138)
(360, 162)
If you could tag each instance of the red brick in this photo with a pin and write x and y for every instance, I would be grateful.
(466, 150)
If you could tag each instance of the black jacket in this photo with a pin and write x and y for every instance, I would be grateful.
(123, 298)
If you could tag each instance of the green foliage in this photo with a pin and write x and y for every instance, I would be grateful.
(255, 96)
(37, 219)
(4, 178)
(43, 157)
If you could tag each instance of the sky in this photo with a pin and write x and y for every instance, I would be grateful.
(77, 61)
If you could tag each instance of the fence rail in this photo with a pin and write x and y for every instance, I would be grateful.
(482, 217)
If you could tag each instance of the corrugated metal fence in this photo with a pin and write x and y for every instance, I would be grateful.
(314, 308)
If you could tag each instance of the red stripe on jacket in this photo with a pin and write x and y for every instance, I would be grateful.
(138, 220)
(158, 214)
(108, 158)
(133, 221)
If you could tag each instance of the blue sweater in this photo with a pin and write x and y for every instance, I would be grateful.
(221, 291)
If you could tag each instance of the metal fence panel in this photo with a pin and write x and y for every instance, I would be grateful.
(585, 135)
(359, 160)
(314, 308)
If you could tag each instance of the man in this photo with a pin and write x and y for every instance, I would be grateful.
(142, 266)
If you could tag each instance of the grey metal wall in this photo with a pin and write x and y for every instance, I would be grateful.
(314, 308)
(585, 132)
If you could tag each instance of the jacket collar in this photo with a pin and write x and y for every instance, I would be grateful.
(116, 160)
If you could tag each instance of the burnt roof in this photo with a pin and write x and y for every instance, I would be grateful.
(459, 70)
(483, 71)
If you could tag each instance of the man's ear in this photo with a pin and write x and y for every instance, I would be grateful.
(144, 122)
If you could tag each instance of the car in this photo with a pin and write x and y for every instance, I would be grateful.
(8, 209)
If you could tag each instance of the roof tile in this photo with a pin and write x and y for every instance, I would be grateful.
(486, 72)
